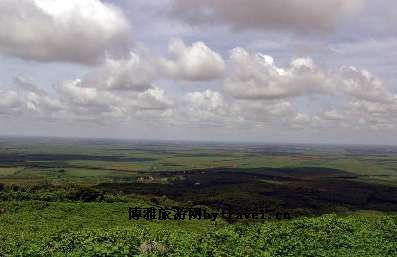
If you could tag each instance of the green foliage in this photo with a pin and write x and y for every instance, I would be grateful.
(102, 229)
(51, 193)
(69, 198)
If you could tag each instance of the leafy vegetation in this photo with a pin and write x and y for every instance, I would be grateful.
(71, 198)
(103, 229)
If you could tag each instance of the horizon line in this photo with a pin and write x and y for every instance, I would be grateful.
(195, 141)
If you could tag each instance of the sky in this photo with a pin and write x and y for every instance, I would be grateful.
(294, 71)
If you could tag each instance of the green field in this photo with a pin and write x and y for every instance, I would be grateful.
(64, 197)
(103, 229)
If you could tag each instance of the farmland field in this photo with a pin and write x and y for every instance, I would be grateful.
(72, 197)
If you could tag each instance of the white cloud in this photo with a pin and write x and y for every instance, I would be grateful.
(255, 76)
(208, 107)
(28, 100)
(43, 103)
(75, 92)
(302, 120)
(265, 111)
(194, 63)
(333, 115)
(137, 72)
(8, 100)
(94, 103)
(361, 84)
(141, 69)
(290, 15)
(154, 99)
(61, 31)
(256, 93)
(214, 109)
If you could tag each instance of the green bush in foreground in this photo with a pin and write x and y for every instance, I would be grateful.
(93, 229)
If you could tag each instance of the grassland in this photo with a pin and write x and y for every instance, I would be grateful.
(64, 197)
(103, 229)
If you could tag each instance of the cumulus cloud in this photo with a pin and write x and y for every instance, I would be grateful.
(35, 99)
(266, 112)
(264, 93)
(76, 92)
(28, 99)
(211, 108)
(96, 102)
(136, 72)
(61, 31)
(195, 63)
(154, 99)
(72, 101)
(360, 114)
(141, 69)
(25, 84)
(256, 93)
(255, 76)
(8, 100)
(43, 103)
(289, 15)
(363, 85)
(208, 107)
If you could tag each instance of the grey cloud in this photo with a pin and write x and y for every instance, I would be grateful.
(35, 99)
(43, 103)
(256, 93)
(73, 101)
(95, 102)
(208, 107)
(136, 72)
(75, 92)
(289, 15)
(268, 111)
(214, 109)
(363, 85)
(8, 100)
(25, 84)
(61, 31)
(29, 100)
(360, 114)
